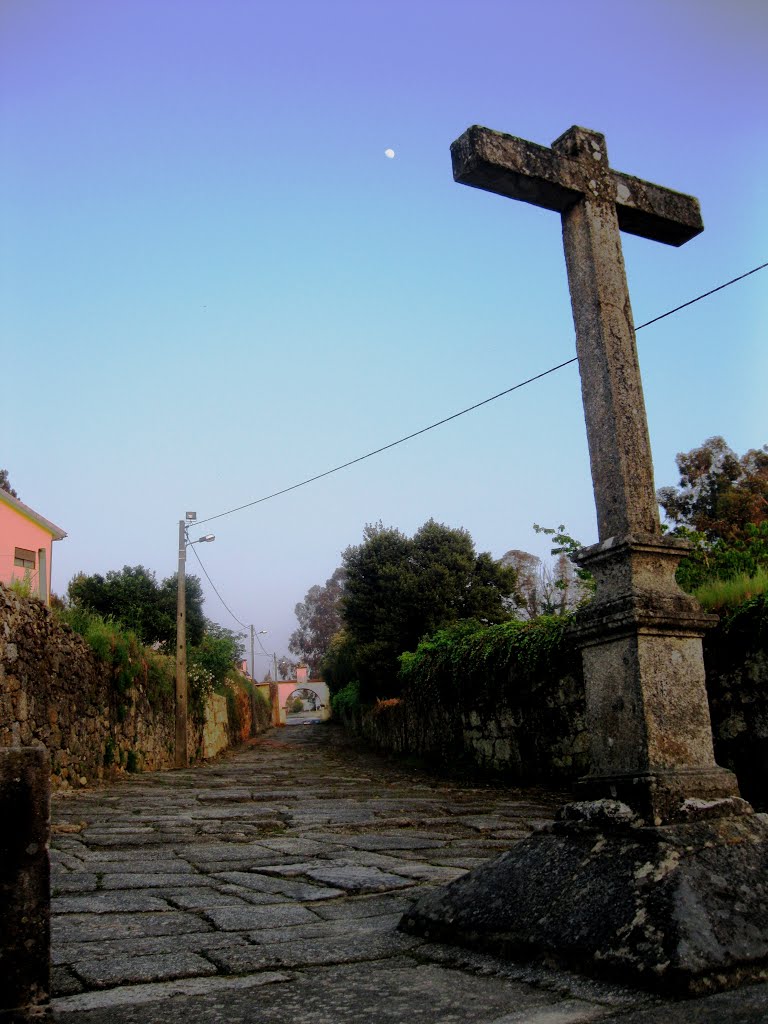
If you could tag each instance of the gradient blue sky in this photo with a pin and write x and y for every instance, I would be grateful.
(214, 283)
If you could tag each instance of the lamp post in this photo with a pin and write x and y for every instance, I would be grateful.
(181, 639)
(261, 632)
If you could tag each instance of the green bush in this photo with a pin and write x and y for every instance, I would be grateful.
(454, 662)
(719, 560)
(346, 700)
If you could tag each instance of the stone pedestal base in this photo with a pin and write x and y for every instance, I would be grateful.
(681, 909)
(667, 796)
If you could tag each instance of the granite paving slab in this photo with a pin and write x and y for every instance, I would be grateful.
(286, 887)
(252, 918)
(76, 927)
(106, 903)
(339, 949)
(354, 878)
(107, 972)
(120, 949)
(365, 907)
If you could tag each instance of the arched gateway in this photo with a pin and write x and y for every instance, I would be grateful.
(313, 693)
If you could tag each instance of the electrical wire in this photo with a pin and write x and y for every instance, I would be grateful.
(462, 412)
(194, 550)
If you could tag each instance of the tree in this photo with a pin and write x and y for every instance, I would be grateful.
(133, 597)
(218, 650)
(319, 616)
(286, 668)
(5, 483)
(721, 507)
(545, 589)
(720, 493)
(398, 589)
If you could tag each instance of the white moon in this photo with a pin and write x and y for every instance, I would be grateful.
(390, 153)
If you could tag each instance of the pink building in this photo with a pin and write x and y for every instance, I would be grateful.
(26, 539)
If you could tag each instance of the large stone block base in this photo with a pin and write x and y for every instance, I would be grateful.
(681, 909)
(24, 885)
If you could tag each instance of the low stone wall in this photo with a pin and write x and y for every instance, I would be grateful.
(736, 659)
(55, 692)
(534, 730)
(216, 728)
(528, 730)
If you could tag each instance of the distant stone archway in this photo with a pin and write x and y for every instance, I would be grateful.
(313, 693)
(284, 690)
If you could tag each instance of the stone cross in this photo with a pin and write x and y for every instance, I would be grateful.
(595, 203)
(641, 637)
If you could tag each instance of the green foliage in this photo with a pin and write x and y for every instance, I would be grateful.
(5, 483)
(720, 492)
(454, 663)
(133, 597)
(22, 587)
(109, 752)
(399, 589)
(339, 664)
(217, 652)
(121, 650)
(297, 705)
(131, 762)
(347, 700)
(564, 544)
(319, 617)
(721, 595)
(721, 560)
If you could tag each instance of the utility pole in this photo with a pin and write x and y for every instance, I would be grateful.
(253, 675)
(181, 652)
(274, 661)
(182, 745)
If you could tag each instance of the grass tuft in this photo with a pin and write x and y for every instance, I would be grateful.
(720, 595)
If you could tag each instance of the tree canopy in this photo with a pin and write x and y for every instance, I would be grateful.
(319, 616)
(720, 493)
(397, 589)
(721, 506)
(133, 597)
(5, 483)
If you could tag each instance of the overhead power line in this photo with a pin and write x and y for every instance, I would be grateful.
(215, 590)
(456, 415)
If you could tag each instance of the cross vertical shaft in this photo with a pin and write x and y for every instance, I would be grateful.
(612, 391)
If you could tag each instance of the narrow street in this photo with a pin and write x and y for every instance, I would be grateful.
(267, 887)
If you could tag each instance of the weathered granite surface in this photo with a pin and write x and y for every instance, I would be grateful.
(24, 884)
(680, 909)
(259, 834)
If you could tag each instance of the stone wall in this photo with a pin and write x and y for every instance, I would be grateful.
(216, 729)
(736, 659)
(528, 730)
(55, 691)
(534, 730)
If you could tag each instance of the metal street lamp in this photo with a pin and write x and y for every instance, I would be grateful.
(181, 758)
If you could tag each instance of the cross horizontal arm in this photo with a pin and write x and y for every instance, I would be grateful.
(514, 168)
(518, 169)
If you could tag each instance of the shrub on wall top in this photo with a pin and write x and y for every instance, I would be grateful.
(453, 664)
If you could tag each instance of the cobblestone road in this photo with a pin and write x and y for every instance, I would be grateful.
(267, 887)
